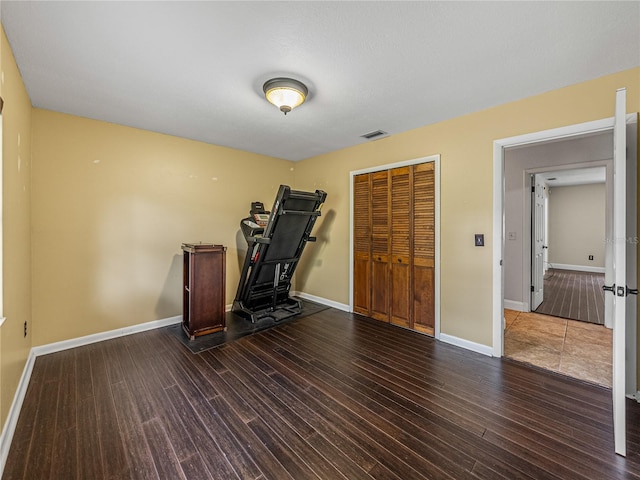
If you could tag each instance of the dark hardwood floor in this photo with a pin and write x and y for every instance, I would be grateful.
(574, 295)
(329, 396)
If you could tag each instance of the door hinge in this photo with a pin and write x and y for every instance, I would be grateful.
(533, 289)
(533, 189)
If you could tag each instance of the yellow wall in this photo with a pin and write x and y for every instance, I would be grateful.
(16, 226)
(111, 207)
(466, 148)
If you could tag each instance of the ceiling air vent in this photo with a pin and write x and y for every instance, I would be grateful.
(374, 134)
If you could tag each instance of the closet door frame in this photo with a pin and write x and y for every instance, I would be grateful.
(436, 160)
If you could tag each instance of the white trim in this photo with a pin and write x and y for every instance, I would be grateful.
(405, 163)
(577, 268)
(497, 311)
(389, 166)
(436, 292)
(2, 319)
(498, 205)
(466, 344)
(102, 336)
(14, 412)
(323, 301)
(517, 306)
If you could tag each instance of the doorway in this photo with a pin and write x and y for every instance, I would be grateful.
(571, 220)
(557, 194)
(625, 132)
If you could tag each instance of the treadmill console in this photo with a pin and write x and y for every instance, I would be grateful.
(256, 222)
(259, 214)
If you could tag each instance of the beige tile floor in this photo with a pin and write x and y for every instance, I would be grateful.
(578, 349)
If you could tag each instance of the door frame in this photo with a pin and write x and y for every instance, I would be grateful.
(533, 232)
(499, 146)
(436, 161)
(527, 237)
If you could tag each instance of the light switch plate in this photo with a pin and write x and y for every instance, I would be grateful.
(479, 239)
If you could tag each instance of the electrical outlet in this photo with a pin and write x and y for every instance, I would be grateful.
(25, 328)
(590, 257)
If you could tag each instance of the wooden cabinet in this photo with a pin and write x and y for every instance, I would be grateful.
(204, 273)
(394, 246)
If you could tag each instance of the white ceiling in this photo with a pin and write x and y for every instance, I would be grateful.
(196, 69)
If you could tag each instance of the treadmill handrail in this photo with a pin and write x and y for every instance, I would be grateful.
(279, 260)
(299, 212)
(258, 240)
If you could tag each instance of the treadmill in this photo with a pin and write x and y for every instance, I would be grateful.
(276, 240)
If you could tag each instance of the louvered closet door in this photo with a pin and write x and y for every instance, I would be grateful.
(401, 207)
(380, 246)
(361, 244)
(424, 248)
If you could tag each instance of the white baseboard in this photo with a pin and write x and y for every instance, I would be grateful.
(14, 412)
(517, 306)
(450, 339)
(102, 336)
(577, 268)
(323, 301)
(466, 344)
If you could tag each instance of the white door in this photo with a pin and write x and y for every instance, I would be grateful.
(631, 365)
(623, 303)
(537, 241)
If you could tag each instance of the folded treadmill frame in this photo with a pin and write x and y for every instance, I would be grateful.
(271, 260)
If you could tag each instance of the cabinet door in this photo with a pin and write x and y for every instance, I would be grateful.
(401, 206)
(362, 244)
(424, 248)
(380, 246)
(207, 291)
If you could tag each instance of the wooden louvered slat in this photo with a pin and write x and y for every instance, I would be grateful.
(401, 206)
(380, 213)
(362, 244)
(424, 213)
(361, 214)
(423, 273)
(380, 246)
(400, 212)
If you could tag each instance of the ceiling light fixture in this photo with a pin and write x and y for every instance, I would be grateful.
(285, 93)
